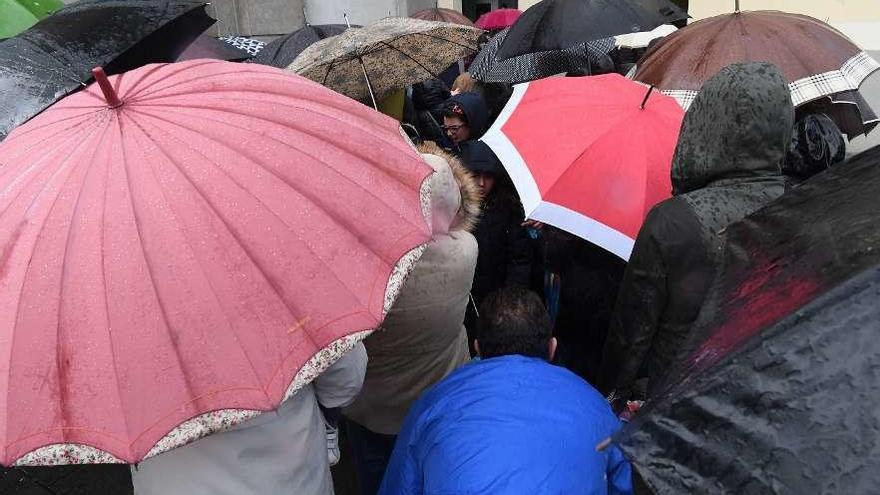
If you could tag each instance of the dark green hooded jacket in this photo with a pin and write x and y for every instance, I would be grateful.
(726, 166)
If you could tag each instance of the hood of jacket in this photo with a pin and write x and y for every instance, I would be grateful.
(455, 195)
(477, 157)
(739, 126)
(475, 111)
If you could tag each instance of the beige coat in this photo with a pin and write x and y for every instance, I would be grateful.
(423, 337)
(283, 451)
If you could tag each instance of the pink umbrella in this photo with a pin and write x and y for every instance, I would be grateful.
(590, 155)
(190, 254)
(498, 19)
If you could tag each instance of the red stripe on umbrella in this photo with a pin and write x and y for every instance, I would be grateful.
(586, 157)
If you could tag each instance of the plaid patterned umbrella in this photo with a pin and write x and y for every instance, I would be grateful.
(817, 60)
(488, 67)
(384, 56)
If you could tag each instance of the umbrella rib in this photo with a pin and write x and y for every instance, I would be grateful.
(149, 267)
(62, 389)
(104, 283)
(388, 172)
(291, 185)
(30, 259)
(430, 73)
(440, 38)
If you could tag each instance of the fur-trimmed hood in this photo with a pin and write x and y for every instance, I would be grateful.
(460, 209)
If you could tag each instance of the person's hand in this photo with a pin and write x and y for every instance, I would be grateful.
(533, 224)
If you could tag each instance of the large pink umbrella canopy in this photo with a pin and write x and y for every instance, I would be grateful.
(200, 251)
(609, 158)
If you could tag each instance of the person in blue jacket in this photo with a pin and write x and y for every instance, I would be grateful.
(510, 423)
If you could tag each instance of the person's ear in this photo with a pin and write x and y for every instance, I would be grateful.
(552, 349)
(477, 346)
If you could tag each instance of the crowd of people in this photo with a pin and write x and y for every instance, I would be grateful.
(513, 345)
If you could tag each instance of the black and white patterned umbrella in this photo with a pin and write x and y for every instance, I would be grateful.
(250, 45)
(487, 67)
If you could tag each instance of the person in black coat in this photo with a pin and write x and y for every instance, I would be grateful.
(589, 279)
(505, 248)
(733, 141)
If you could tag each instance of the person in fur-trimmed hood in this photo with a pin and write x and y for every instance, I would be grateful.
(423, 338)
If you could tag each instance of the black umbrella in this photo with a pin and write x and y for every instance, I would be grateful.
(779, 392)
(487, 67)
(282, 51)
(56, 55)
(210, 47)
(560, 24)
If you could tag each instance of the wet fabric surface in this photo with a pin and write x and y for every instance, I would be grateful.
(726, 166)
(777, 392)
(55, 57)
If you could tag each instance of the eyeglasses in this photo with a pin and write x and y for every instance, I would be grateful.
(453, 127)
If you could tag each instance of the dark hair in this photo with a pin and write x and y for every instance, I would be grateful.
(453, 109)
(513, 321)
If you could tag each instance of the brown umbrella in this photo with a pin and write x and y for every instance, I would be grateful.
(443, 15)
(817, 60)
(368, 63)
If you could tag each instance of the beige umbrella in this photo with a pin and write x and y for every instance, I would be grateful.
(389, 54)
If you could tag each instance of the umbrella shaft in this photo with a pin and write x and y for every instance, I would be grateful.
(369, 84)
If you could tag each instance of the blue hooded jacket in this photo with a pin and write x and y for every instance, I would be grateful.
(508, 425)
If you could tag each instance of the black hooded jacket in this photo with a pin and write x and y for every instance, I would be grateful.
(726, 166)
(505, 250)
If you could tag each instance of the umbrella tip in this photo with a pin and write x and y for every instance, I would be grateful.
(110, 95)
(647, 95)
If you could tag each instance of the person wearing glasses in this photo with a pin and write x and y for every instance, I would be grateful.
(465, 117)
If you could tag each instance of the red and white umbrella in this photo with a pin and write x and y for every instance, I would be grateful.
(589, 155)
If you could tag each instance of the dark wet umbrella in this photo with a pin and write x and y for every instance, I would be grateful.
(56, 55)
(210, 47)
(282, 51)
(779, 394)
(487, 67)
(560, 24)
(443, 15)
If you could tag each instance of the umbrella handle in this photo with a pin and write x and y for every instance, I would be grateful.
(110, 95)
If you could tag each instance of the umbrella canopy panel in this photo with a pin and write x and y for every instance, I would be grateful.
(56, 56)
(779, 392)
(18, 15)
(816, 59)
(392, 53)
(176, 263)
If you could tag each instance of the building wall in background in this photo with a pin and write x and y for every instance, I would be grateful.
(258, 18)
(269, 18)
